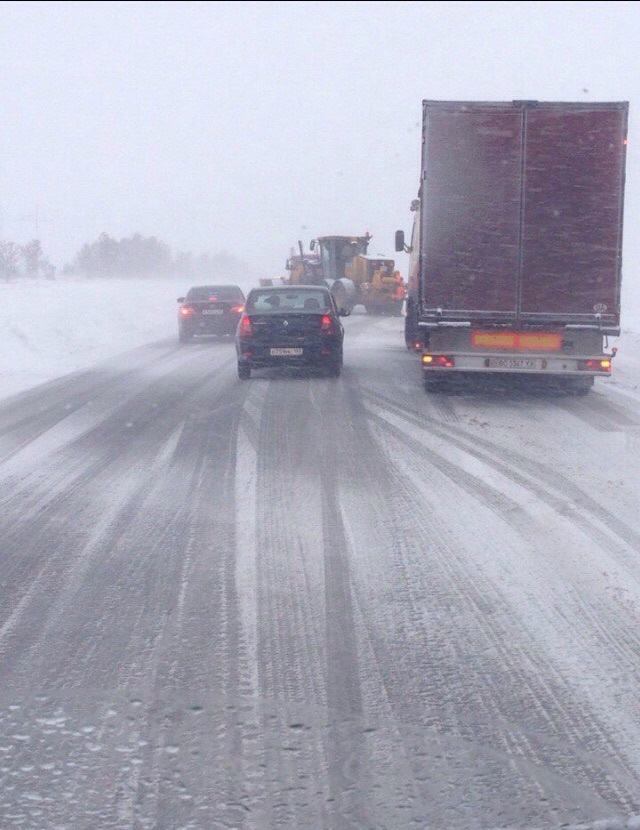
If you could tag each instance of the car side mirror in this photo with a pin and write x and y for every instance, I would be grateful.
(181, 299)
(399, 240)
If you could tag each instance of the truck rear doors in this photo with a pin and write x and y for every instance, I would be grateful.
(521, 216)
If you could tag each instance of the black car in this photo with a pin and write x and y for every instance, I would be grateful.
(290, 326)
(209, 309)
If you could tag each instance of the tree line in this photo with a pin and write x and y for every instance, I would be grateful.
(26, 260)
(135, 256)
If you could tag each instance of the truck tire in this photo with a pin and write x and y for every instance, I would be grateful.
(244, 371)
(431, 384)
(579, 386)
(411, 326)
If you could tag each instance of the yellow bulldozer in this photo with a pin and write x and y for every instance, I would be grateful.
(379, 287)
(353, 276)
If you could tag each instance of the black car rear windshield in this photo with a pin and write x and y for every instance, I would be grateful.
(293, 300)
(215, 292)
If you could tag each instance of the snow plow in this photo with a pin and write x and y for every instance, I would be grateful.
(354, 278)
(379, 286)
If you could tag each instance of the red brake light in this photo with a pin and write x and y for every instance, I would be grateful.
(597, 364)
(325, 323)
(244, 326)
(237, 309)
(186, 310)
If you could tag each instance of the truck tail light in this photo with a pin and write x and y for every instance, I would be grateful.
(595, 364)
(441, 360)
(237, 309)
(186, 310)
(325, 324)
(244, 326)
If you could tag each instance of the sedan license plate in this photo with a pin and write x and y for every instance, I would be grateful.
(284, 352)
(515, 363)
(212, 311)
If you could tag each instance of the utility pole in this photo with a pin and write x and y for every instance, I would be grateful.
(35, 218)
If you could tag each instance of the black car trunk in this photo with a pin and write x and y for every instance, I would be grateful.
(286, 329)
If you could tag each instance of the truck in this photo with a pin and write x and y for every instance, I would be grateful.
(353, 276)
(515, 257)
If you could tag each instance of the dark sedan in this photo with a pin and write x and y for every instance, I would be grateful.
(290, 326)
(209, 309)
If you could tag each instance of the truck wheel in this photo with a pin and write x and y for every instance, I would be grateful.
(411, 327)
(580, 386)
(244, 371)
(431, 384)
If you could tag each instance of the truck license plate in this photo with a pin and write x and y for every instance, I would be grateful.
(514, 363)
(284, 352)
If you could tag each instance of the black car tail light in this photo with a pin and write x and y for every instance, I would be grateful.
(186, 310)
(325, 324)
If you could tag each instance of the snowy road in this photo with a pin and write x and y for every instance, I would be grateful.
(299, 602)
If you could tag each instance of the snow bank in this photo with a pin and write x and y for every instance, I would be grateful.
(48, 329)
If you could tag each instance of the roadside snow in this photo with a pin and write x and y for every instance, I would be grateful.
(49, 329)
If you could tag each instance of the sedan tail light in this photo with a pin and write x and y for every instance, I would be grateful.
(244, 326)
(325, 323)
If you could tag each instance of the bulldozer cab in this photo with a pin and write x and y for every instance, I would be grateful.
(362, 268)
(376, 264)
(337, 252)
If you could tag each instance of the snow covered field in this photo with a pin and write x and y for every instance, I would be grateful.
(49, 329)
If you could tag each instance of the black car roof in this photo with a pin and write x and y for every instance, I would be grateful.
(209, 286)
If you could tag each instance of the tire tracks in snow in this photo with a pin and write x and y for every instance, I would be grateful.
(545, 689)
(168, 621)
(569, 500)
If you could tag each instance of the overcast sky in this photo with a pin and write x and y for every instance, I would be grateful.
(244, 126)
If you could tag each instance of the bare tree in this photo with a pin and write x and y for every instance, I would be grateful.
(9, 259)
